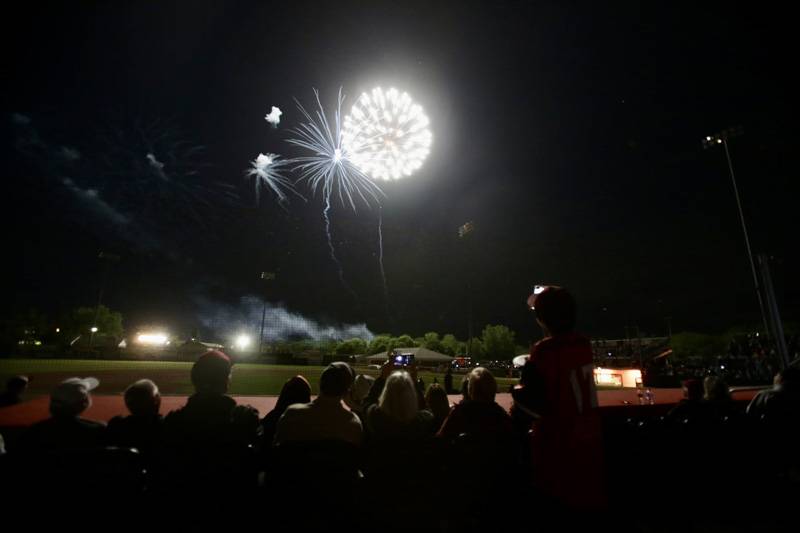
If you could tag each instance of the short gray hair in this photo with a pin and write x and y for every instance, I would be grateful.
(361, 387)
(140, 397)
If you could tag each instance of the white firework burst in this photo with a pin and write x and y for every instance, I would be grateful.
(386, 134)
(268, 170)
(330, 165)
(274, 116)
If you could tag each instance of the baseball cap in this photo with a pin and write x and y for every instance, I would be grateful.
(18, 382)
(211, 368)
(336, 379)
(73, 391)
(554, 306)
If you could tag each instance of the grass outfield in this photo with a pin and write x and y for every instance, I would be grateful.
(173, 377)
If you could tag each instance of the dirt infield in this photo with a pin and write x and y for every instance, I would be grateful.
(104, 407)
(252, 384)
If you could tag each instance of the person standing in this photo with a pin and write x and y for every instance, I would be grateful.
(566, 444)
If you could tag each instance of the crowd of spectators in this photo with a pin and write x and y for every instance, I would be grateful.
(385, 443)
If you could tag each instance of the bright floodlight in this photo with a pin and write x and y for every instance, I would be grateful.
(242, 342)
(386, 134)
(152, 339)
(94, 330)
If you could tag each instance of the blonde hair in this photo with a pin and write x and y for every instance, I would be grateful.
(481, 385)
(437, 401)
(399, 397)
(716, 390)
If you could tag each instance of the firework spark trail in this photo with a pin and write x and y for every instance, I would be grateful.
(387, 137)
(81, 177)
(268, 171)
(339, 268)
(330, 167)
(380, 260)
(148, 168)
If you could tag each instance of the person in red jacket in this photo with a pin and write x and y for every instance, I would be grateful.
(558, 379)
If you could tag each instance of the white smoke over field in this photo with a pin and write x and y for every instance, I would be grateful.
(229, 320)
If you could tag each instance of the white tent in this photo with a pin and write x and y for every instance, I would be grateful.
(192, 349)
(422, 356)
(520, 360)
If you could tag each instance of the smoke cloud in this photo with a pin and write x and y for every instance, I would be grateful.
(279, 324)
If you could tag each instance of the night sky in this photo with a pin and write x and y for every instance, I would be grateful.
(569, 135)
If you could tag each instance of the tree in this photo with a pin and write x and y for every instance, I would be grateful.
(327, 346)
(450, 345)
(431, 341)
(292, 347)
(461, 348)
(498, 342)
(81, 321)
(404, 341)
(475, 349)
(688, 344)
(379, 344)
(351, 347)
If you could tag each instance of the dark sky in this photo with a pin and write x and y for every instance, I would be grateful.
(569, 135)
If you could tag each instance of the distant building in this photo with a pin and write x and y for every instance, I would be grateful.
(174, 349)
(422, 356)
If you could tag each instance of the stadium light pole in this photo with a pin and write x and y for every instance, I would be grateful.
(721, 138)
(93, 330)
(265, 276)
(464, 232)
(108, 258)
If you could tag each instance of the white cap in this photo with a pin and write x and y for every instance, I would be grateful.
(72, 391)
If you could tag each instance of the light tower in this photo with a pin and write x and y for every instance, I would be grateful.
(770, 317)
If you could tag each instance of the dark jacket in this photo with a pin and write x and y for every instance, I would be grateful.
(144, 433)
(62, 433)
(7, 399)
(476, 418)
(779, 403)
(209, 420)
(381, 427)
(207, 446)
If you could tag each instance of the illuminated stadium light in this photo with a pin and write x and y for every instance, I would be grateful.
(242, 342)
(94, 329)
(152, 339)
